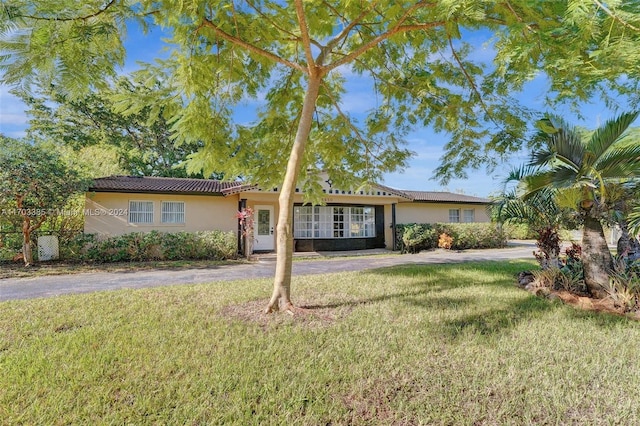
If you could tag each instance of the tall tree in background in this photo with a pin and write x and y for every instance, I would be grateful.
(141, 138)
(34, 182)
(296, 54)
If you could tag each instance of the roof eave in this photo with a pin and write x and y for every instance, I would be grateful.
(153, 192)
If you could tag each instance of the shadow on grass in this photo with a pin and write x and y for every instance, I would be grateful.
(491, 312)
(506, 312)
(409, 297)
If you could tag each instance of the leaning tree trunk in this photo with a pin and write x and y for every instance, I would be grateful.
(596, 257)
(281, 297)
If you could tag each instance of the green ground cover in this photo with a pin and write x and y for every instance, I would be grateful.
(425, 344)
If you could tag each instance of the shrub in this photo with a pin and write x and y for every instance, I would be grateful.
(154, 245)
(624, 284)
(519, 231)
(10, 245)
(473, 235)
(415, 237)
(445, 241)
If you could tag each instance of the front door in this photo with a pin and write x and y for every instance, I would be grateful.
(264, 238)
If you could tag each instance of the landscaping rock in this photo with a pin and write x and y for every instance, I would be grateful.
(525, 278)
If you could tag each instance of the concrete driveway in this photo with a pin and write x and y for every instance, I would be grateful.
(322, 263)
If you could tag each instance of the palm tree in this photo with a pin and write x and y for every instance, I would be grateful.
(624, 204)
(587, 167)
(540, 211)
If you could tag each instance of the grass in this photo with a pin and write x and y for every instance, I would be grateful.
(429, 344)
(18, 270)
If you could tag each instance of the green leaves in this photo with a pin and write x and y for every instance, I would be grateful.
(586, 166)
(34, 178)
(420, 58)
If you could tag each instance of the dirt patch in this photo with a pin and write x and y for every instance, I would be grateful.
(586, 303)
(307, 314)
(373, 400)
(598, 305)
(18, 270)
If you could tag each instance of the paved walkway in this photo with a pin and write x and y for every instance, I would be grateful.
(319, 263)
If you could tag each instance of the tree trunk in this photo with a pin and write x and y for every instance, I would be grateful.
(596, 257)
(281, 297)
(27, 253)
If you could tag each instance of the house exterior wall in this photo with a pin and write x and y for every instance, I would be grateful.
(436, 212)
(107, 213)
(384, 237)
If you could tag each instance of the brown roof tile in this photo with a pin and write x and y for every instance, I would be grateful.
(444, 197)
(135, 184)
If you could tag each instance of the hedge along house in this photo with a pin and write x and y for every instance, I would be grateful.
(347, 220)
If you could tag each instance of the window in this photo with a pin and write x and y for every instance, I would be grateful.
(469, 216)
(303, 218)
(140, 211)
(454, 215)
(334, 222)
(322, 222)
(338, 222)
(172, 212)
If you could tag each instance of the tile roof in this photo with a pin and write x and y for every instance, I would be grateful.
(444, 197)
(134, 184)
(167, 185)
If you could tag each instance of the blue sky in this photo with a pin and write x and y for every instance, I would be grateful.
(427, 145)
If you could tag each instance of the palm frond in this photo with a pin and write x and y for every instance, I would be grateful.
(563, 147)
(537, 182)
(516, 174)
(633, 221)
(620, 163)
(606, 136)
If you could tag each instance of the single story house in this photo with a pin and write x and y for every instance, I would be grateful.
(348, 220)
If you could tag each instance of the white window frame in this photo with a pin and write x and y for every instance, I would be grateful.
(173, 217)
(469, 215)
(139, 215)
(303, 218)
(454, 215)
(334, 222)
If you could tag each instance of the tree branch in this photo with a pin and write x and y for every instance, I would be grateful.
(349, 124)
(250, 47)
(272, 22)
(346, 30)
(77, 18)
(615, 17)
(399, 27)
(474, 88)
(466, 74)
(304, 33)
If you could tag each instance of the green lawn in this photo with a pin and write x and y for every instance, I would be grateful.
(455, 344)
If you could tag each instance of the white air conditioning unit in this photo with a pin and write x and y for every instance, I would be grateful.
(48, 248)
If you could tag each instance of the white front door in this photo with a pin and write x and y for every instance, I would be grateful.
(264, 236)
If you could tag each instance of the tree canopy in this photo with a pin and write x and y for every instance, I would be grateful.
(35, 183)
(295, 57)
(140, 140)
(415, 54)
